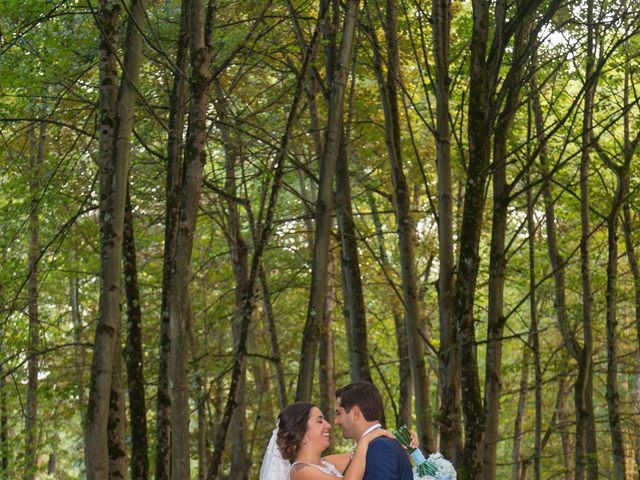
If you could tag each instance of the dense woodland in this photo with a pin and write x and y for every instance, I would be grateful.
(209, 210)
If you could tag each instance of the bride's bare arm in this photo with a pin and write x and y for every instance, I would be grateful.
(355, 469)
(341, 460)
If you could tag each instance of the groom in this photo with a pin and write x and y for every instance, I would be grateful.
(359, 411)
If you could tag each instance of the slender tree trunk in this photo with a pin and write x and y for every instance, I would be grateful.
(324, 206)
(122, 136)
(326, 379)
(51, 463)
(517, 459)
(172, 193)
(4, 428)
(201, 396)
(635, 273)
(133, 352)
(468, 260)
(353, 297)
(621, 173)
(535, 337)
(273, 338)
(74, 303)
(586, 450)
(117, 417)
(564, 419)
(404, 368)
(498, 258)
(194, 159)
(557, 265)
(449, 419)
(79, 354)
(112, 189)
(36, 154)
(404, 222)
(612, 394)
(239, 259)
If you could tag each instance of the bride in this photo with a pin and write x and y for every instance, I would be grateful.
(296, 446)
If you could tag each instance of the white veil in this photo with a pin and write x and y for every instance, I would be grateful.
(274, 467)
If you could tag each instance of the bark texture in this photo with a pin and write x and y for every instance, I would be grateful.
(139, 464)
(112, 189)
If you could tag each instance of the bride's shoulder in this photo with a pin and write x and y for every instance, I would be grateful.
(339, 460)
(305, 471)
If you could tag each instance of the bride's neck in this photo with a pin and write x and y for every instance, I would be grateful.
(309, 457)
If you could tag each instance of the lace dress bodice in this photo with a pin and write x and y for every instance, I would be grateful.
(324, 467)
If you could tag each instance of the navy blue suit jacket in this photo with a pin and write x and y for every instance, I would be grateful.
(387, 460)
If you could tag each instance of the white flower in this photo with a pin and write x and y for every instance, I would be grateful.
(444, 466)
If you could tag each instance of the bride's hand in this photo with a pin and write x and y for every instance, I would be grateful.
(415, 442)
(377, 433)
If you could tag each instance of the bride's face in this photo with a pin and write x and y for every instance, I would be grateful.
(318, 430)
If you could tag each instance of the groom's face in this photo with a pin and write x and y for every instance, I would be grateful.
(345, 421)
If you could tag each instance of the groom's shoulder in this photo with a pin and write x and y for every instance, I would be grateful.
(387, 460)
(385, 444)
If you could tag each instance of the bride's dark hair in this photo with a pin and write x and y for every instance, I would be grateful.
(293, 422)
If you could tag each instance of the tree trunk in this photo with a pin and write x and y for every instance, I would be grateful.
(133, 352)
(172, 193)
(557, 263)
(498, 258)
(239, 251)
(79, 353)
(326, 379)
(51, 464)
(517, 459)
(404, 222)
(117, 423)
(112, 180)
(535, 335)
(36, 154)
(468, 260)
(4, 428)
(635, 273)
(324, 207)
(586, 450)
(403, 416)
(449, 418)
(273, 338)
(189, 199)
(406, 234)
(564, 419)
(353, 297)
(612, 394)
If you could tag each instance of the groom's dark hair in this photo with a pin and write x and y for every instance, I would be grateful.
(366, 396)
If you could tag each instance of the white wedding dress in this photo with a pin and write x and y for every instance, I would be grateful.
(274, 467)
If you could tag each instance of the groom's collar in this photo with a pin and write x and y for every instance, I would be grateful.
(371, 429)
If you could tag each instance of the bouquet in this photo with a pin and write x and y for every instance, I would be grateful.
(435, 467)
